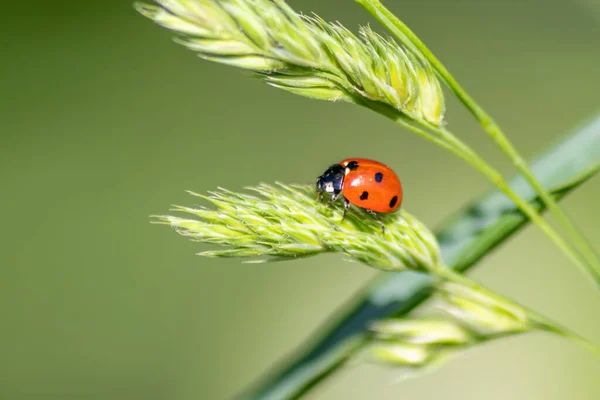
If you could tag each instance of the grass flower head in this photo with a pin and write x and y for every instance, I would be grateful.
(304, 55)
(287, 222)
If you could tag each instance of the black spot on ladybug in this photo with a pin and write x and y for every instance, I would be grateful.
(378, 177)
(393, 201)
(364, 195)
(352, 165)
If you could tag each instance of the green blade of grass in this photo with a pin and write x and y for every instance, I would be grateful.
(465, 238)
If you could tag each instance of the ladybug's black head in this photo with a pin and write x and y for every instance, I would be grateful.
(332, 180)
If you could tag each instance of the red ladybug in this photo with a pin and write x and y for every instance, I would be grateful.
(365, 183)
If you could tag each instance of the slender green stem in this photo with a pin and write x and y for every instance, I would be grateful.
(406, 36)
(570, 335)
(468, 155)
(538, 320)
(450, 142)
(405, 121)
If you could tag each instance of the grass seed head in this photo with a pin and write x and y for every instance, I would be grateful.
(286, 222)
(303, 54)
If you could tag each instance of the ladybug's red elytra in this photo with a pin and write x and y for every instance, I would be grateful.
(365, 183)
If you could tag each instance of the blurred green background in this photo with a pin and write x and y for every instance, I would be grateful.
(105, 121)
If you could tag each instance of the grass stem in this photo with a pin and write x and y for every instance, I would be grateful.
(450, 142)
(591, 261)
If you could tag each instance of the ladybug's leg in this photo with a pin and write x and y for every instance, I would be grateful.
(374, 214)
(331, 199)
(346, 205)
(334, 197)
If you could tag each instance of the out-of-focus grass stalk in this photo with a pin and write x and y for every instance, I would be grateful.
(590, 263)
(472, 316)
(467, 288)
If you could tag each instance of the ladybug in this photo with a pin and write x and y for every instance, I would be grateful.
(365, 183)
